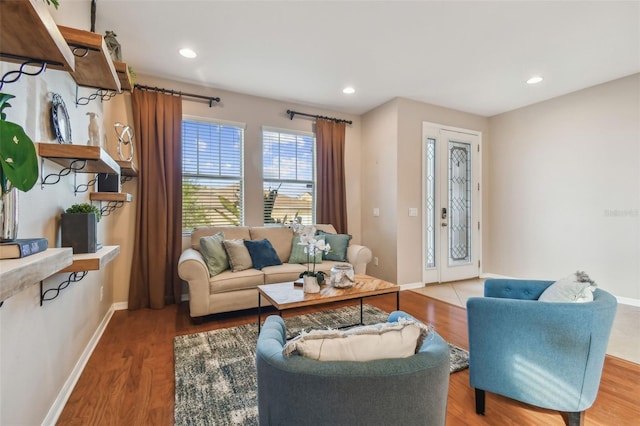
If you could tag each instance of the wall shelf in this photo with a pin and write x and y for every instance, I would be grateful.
(18, 274)
(77, 158)
(94, 67)
(110, 196)
(29, 33)
(81, 264)
(123, 74)
(128, 168)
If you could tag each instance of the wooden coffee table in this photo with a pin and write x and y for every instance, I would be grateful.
(285, 296)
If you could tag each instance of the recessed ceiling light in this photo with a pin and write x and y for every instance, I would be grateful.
(348, 90)
(534, 80)
(188, 53)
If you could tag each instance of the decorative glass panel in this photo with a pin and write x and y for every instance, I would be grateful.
(430, 202)
(459, 203)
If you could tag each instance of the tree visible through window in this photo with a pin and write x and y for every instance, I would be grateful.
(212, 186)
(288, 175)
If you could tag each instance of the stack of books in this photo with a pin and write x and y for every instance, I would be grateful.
(22, 247)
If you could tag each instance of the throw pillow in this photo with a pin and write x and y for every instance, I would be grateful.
(214, 254)
(239, 257)
(379, 341)
(262, 253)
(576, 287)
(299, 256)
(339, 244)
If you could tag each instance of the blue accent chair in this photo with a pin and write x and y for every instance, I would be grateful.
(545, 354)
(296, 390)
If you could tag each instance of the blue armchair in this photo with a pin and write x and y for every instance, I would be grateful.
(296, 390)
(545, 354)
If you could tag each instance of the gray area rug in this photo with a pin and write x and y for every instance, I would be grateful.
(215, 374)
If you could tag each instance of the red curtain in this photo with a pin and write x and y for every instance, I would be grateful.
(331, 193)
(158, 235)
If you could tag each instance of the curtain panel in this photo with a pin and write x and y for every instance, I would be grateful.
(154, 278)
(331, 203)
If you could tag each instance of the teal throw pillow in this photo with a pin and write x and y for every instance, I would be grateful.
(214, 254)
(299, 256)
(262, 253)
(338, 243)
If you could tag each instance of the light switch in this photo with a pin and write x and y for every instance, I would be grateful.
(376, 211)
(413, 211)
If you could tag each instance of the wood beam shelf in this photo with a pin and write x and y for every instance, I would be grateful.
(94, 67)
(31, 37)
(18, 274)
(110, 196)
(128, 168)
(124, 76)
(81, 264)
(92, 261)
(79, 158)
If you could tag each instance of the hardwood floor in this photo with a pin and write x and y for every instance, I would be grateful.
(129, 379)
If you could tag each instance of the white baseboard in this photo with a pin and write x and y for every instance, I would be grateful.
(410, 286)
(628, 301)
(121, 306)
(70, 383)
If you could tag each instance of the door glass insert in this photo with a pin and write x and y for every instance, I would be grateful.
(430, 202)
(459, 203)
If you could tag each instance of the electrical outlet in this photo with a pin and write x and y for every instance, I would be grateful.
(101, 292)
(376, 212)
(375, 261)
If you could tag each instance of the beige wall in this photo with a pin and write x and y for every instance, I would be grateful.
(565, 188)
(392, 181)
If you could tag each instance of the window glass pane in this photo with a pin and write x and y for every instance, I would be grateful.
(211, 174)
(430, 200)
(288, 172)
(459, 203)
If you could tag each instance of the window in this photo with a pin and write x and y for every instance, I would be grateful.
(288, 175)
(212, 186)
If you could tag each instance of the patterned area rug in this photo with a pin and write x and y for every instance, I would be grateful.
(215, 370)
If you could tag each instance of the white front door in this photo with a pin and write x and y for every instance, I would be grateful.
(451, 203)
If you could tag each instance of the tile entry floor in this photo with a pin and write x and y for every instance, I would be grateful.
(625, 336)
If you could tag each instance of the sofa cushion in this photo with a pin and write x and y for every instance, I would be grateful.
(379, 341)
(239, 258)
(286, 272)
(576, 287)
(214, 253)
(229, 281)
(230, 233)
(338, 243)
(279, 236)
(299, 256)
(262, 253)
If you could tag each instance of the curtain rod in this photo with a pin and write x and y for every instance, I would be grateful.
(337, 120)
(176, 92)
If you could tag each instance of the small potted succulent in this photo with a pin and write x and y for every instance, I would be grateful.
(79, 228)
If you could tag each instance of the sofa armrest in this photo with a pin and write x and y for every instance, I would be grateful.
(359, 256)
(193, 269)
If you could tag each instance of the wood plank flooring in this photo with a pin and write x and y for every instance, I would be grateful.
(129, 379)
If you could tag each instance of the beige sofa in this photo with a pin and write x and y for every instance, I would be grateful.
(231, 291)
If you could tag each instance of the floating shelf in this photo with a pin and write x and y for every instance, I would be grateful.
(30, 34)
(110, 196)
(92, 261)
(123, 75)
(95, 158)
(18, 274)
(95, 68)
(128, 168)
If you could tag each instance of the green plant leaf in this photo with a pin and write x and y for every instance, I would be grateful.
(18, 158)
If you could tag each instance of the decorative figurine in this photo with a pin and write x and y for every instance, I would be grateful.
(94, 129)
(125, 137)
(113, 46)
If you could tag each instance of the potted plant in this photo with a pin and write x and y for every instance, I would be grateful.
(311, 279)
(80, 228)
(18, 169)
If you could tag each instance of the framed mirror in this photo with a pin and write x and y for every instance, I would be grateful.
(60, 120)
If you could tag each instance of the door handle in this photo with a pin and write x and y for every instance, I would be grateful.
(443, 224)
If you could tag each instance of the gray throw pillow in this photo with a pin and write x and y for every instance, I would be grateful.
(299, 256)
(214, 254)
(239, 257)
(338, 243)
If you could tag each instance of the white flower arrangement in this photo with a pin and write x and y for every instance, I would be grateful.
(312, 247)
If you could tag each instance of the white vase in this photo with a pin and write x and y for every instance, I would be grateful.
(310, 284)
(9, 215)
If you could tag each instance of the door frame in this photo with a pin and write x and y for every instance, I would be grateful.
(434, 131)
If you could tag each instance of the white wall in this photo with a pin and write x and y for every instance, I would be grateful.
(565, 188)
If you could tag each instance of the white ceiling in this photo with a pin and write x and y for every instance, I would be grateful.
(471, 56)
